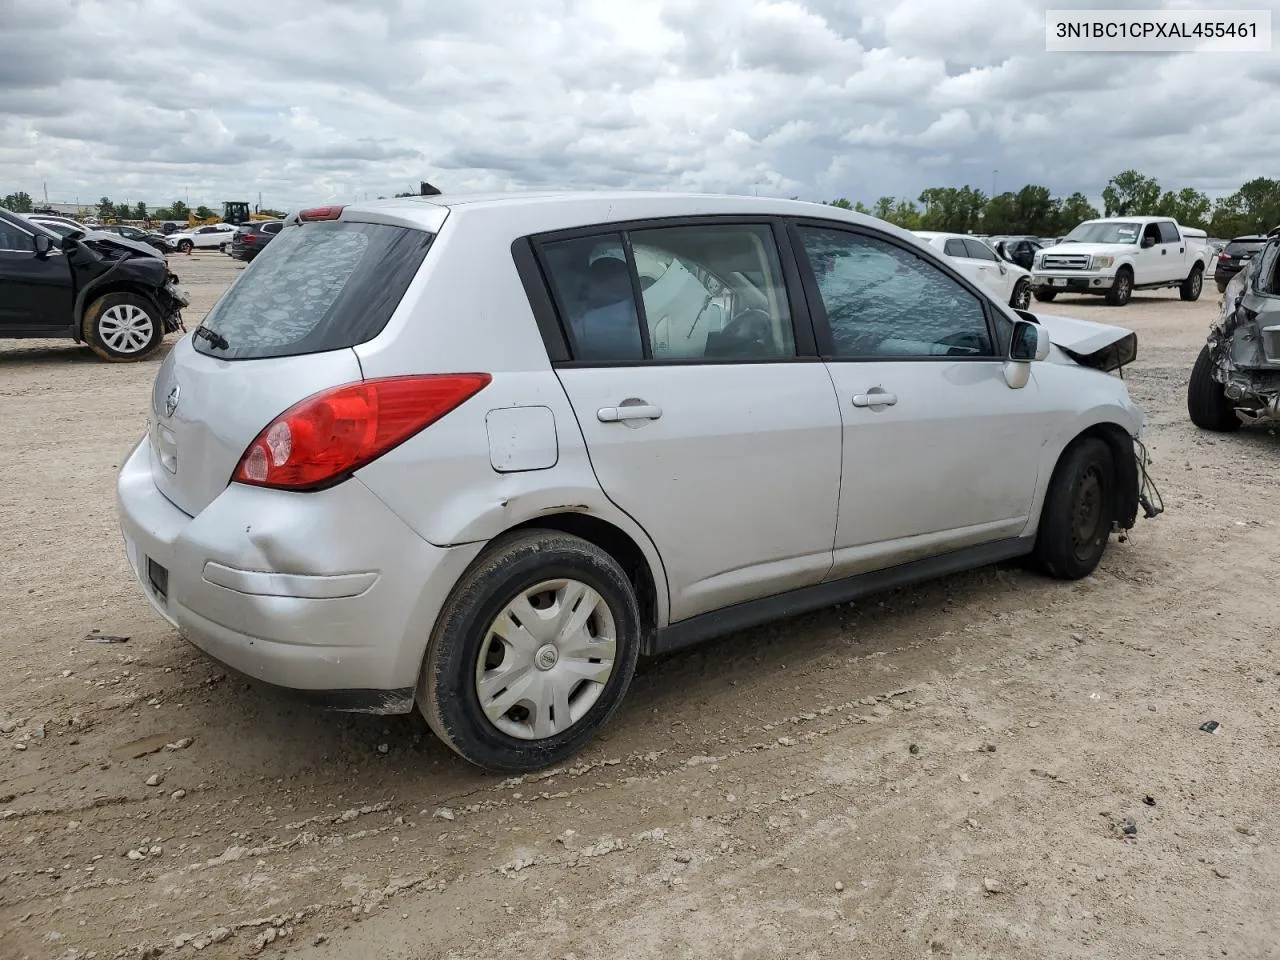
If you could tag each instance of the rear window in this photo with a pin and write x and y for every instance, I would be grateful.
(316, 287)
(1235, 247)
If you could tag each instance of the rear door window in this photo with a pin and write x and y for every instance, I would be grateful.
(978, 250)
(1168, 232)
(955, 248)
(318, 286)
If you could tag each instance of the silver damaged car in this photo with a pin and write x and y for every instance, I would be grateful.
(478, 454)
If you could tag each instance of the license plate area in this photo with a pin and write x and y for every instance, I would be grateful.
(158, 577)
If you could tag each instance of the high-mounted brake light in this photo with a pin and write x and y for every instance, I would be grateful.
(313, 214)
(321, 440)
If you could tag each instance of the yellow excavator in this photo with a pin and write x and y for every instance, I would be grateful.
(233, 211)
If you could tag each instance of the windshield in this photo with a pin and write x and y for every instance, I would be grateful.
(57, 230)
(316, 287)
(1104, 233)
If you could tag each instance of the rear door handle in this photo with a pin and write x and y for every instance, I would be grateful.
(875, 399)
(637, 411)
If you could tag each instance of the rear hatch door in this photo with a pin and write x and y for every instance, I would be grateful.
(282, 332)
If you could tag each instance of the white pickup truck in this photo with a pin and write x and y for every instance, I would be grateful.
(1118, 255)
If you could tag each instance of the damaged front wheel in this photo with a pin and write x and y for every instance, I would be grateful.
(1079, 509)
(1207, 404)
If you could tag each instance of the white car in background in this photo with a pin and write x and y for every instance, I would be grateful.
(1008, 281)
(213, 236)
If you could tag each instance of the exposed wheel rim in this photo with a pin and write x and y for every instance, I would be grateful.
(545, 659)
(1022, 296)
(1197, 280)
(1123, 283)
(1089, 512)
(126, 328)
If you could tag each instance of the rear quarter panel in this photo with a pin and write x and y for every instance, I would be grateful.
(467, 311)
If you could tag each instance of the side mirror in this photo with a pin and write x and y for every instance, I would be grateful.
(43, 245)
(1148, 242)
(1030, 342)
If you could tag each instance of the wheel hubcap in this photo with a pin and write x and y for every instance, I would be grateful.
(125, 328)
(545, 659)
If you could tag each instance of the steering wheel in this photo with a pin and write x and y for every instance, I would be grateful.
(750, 325)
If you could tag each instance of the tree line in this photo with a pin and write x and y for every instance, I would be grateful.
(1254, 208)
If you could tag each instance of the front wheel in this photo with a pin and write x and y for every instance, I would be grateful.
(1079, 506)
(1121, 290)
(532, 653)
(1191, 287)
(122, 327)
(1045, 295)
(184, 246)
(1021, 299)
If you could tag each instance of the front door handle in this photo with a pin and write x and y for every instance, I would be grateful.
(875, 398)
(631, 411)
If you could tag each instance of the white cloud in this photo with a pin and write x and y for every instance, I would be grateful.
(305, 100)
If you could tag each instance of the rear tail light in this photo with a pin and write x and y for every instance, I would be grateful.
(1224, 256)
(321, 213)
(321, 440)
(248, 238)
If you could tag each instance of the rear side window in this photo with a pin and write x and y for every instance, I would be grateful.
(1168, 232)
(955, 248)
(317, 287)
(979, 251)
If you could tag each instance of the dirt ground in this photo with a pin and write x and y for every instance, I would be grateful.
(947, 771)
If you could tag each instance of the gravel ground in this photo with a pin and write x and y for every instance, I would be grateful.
(993, 765)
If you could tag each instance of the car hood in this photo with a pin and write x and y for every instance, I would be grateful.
(115, 240)
(1098, 345)
(1113, 249)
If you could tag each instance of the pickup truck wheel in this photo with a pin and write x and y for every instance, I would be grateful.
(1021, 298)
(532, 653)
(1122, 289)
(1079, 507)
(1044, 295)
(122, 327)
(1191, 287)
(1207, 405)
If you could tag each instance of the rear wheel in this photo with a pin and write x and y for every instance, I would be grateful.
(121, 327)
(1207, 405)
(1079, 507)
(1045, 295)
(1122, 289)
(532, 653)
(1021, 298)
(1191, 287)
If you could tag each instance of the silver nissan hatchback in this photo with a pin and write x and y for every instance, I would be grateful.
(479, 454)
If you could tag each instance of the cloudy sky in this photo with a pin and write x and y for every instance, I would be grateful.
(309, 100)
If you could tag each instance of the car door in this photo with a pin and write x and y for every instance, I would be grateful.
(1174, 257)
(939, 452)
(706, 413)
(35, 290)
(1001, 277)
(1150, 263)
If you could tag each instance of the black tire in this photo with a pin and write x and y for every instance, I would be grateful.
(222, 248)
(1122, 290)
(1078, 511)
(1222, 287)
(447, 689)
(1207, 405)
(122, 327)
(1021, 299)
(184, 246)
(1044, 295)
(1191, 287)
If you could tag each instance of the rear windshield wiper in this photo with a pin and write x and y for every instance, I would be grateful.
(216, 340)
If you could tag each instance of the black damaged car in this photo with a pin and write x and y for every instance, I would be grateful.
(113, 294)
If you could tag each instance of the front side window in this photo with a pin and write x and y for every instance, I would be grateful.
(884, 301)
(979, 251)
(11, 238)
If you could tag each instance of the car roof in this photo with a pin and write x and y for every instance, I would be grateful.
(1249, 238)
(544, 211)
